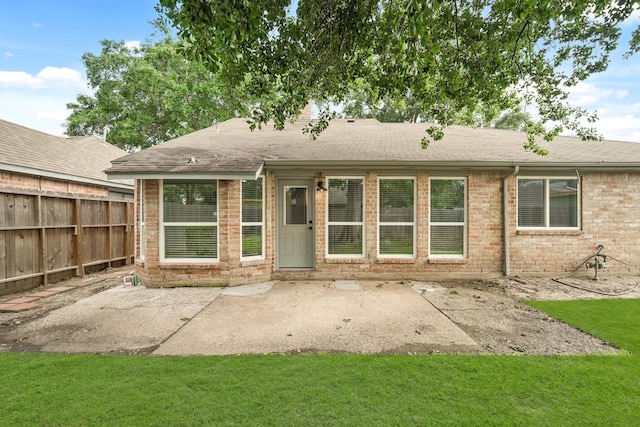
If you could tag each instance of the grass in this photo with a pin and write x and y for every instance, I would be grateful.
(614, 320)
(53, 389)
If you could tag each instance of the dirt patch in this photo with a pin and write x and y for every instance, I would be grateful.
(491, 312)
(81, 288)
(494, 315)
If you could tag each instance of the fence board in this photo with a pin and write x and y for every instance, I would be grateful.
(3, 255)
(46, 237)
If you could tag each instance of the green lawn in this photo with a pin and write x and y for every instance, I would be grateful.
(48, 389)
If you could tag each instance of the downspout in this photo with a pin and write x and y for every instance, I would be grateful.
(505, 217)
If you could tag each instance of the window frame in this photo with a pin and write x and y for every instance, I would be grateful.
(546, 207)
(163, 225)
(253, 224)
(465, 223)
(413, 224)
(362, 223)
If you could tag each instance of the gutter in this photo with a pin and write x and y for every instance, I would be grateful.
(505, 219)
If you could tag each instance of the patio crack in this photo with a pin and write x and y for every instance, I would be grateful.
(187, 321)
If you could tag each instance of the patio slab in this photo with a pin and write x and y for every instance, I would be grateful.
(319, 317)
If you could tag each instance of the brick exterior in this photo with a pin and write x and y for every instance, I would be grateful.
(609, 217)
(50, 186)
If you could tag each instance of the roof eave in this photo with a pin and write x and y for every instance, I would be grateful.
(186, 175)
(452, 165)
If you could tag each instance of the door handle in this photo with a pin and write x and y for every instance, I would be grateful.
(310, 228)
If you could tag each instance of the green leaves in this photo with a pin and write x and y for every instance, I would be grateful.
(450, 56)
(148, 95)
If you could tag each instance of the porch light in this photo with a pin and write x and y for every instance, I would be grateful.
(321, 186)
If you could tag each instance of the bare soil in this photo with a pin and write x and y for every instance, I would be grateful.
(494, 314)
(491, 312)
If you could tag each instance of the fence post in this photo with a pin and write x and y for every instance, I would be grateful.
(42, 241)
(127, 232)
(78, 237)
(109, 230)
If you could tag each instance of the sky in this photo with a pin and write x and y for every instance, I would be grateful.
(41, 70)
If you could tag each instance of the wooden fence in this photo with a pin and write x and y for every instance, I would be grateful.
(45, 238)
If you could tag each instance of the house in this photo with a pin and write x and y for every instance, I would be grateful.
(225, 205)
(59, 213)
(37, 161)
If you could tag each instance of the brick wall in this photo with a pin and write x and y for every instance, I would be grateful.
(50, 186)
(610, 217)
(484, 236)
(230, 269)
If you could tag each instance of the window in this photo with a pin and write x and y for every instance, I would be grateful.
(252, 219)
(396, 217)
(548, 202)
(141, 219)
(296, 202)
(190, 220)
(345, 223)
(447, 217)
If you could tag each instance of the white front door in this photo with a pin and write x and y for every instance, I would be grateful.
(295, 223)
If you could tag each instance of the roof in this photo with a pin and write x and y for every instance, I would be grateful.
(230, 149)
(79, 159)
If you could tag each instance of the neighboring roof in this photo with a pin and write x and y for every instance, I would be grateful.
(230, 149)
(79, 159)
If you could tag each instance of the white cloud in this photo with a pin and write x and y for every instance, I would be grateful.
(47, 77)
(586, 94)
(40, 101)
(36, 24)
(63, 74)
(619, 121)
(621, 93)
(132, 44)
(59, 115)
(8, 54)
(42, 110)
(20, 79)
(632, 19)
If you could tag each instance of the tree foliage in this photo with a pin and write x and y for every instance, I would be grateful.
(358, 105)
(450, 55)
(149, 94)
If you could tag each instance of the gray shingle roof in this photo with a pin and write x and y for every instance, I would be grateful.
(82, 159)
(231, 148)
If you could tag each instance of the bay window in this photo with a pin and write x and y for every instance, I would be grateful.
(252, 219)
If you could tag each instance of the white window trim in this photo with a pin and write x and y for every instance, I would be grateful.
(547, 217)
(141, 223)
(361, 223)
(413, 224)
(163, 259)
(247, 224)
(438, 224)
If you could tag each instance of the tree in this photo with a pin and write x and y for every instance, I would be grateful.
(147, 95)
(449, 55)
(358, 104)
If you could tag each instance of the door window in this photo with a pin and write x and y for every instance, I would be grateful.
(295, 208)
